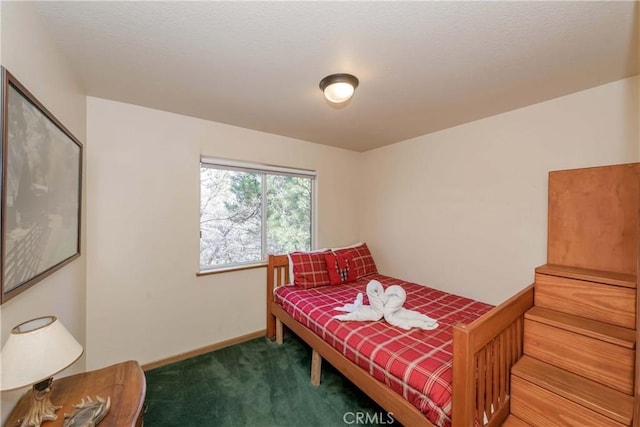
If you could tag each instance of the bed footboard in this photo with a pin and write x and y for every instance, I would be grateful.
(483, 353)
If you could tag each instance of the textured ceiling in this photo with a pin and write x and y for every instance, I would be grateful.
(423, 66)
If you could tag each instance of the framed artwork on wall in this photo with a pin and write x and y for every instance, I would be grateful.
(41, 191)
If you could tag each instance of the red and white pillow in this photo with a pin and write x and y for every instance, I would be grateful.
(364, 263)
(309, 269)
(331, 267)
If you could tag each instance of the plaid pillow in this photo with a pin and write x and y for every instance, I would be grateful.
(310, 269)
(341, 268)
(364, 263)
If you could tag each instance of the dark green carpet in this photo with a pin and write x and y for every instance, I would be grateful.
(257, 383)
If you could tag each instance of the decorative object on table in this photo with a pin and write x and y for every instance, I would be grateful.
(35, 351)
(88, 413)
(41, 188)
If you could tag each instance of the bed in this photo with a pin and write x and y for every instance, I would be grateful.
(455, 375)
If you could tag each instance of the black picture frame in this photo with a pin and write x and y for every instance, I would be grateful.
(41, 199)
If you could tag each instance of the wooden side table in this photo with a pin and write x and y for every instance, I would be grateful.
(124, 383)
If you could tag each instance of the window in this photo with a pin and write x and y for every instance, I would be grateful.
(248, 211)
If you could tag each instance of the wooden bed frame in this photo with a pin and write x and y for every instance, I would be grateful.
(483, 353)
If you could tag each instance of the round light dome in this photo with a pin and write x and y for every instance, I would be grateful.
(338, 88)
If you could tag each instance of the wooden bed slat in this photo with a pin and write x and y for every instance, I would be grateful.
(490, 380)
(480, 395)
(503, 368)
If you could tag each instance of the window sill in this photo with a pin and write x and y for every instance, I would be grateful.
(229, 269)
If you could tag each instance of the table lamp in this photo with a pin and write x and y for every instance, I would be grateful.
(35, 351)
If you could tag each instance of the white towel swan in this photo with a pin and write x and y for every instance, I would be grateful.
(374, 311)
(395, 314)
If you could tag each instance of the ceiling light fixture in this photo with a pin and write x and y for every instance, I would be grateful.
(339, 88)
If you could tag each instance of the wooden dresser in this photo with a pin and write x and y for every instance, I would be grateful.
(124, 383)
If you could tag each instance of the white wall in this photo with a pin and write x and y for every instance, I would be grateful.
(144, 300)
(28, 53)
(464, 209)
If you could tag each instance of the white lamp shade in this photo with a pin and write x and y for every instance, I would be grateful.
(36, 350)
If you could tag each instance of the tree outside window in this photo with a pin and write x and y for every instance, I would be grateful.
(233, 206)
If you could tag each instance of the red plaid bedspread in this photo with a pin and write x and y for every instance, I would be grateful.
(416, 364)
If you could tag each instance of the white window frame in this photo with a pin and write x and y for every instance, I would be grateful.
(265, 169)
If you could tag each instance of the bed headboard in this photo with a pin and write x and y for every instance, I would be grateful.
(277, 275)
(277, 271)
